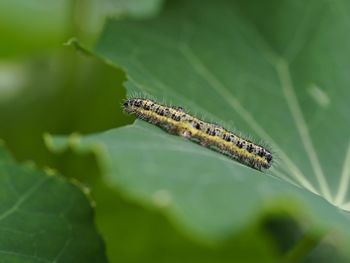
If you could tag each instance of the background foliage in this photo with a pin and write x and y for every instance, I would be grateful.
(275, 70)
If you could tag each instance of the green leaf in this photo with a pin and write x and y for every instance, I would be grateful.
(134, 233)
(137, 234)
(43, 218)
(275, 70)
(201, 190)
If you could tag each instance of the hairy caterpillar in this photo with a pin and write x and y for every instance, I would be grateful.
(176, 121)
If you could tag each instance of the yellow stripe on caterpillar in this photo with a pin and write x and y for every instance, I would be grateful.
(176, 121)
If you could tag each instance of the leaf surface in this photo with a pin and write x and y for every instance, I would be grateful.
(279, 75)
(44, 218)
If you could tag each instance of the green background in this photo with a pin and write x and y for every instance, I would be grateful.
(273, 71)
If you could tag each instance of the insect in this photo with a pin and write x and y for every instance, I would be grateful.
(176, 121)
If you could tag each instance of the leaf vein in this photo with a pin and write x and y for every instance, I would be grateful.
(244, 114)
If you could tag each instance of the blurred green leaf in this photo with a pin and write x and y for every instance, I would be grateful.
(134, 233)
(137, 234)
(44, 218)
(28, 27)
(63, 93)
(32, 26)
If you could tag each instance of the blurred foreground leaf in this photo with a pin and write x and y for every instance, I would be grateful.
(137, 234)
(43, 218)
(134, 233)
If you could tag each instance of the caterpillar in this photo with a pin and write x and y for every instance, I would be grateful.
(176, 121)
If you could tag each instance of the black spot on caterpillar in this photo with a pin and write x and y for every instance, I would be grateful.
(176, 121)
